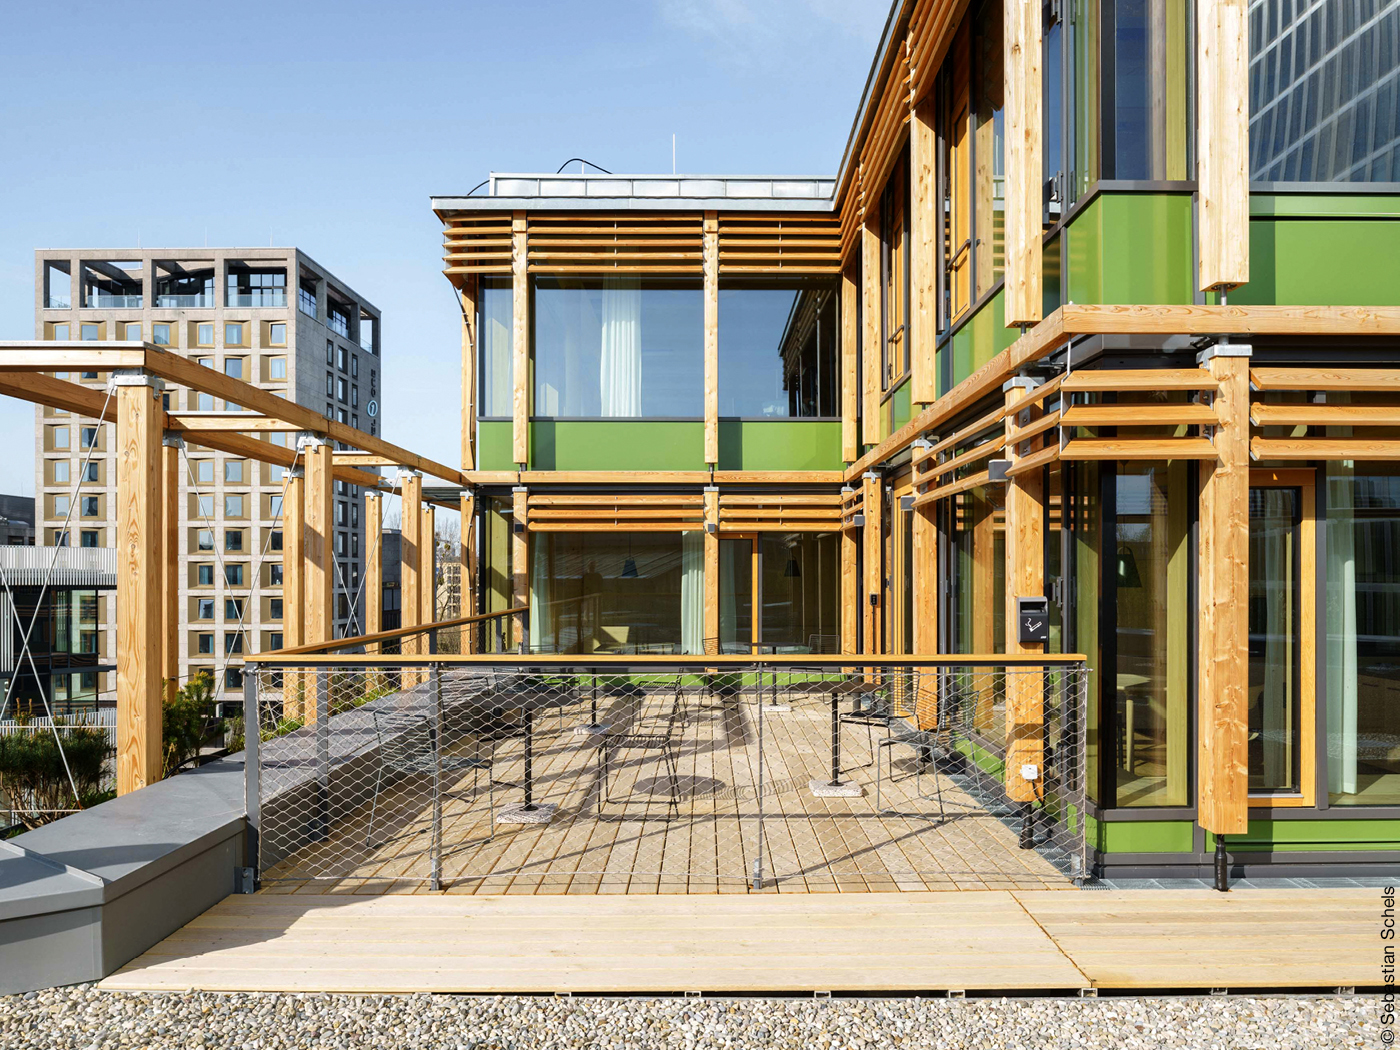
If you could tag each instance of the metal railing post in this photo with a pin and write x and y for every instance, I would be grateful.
(252, 784)
(758, 857)
(435, 733)
(323, 755)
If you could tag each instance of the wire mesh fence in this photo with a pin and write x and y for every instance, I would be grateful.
(522, 774)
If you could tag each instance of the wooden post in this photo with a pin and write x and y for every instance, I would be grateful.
(411, 537)
(319, 584)
(1222, 162)
(468, 512)
(520, 342)
(520, 559)
(139, 582)
(873, 599)
(171, 563)
(925, 605)
(850, 367)
(374, 565)
(850, 590)
(1222, 758)
(293, 586)
(1024, 177)
(427, 567)
(711, 270)
(1025, 577)
(872, 359)
(924, 216)
(469, 286)
(712, 565)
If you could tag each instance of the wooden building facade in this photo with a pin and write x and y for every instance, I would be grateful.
(1047, 346)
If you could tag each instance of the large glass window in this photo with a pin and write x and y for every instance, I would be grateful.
(795, 577)
(957, 182)
(894, 273)
(1363, 633)
(1143, 79)
(493, 326)
(618, 348)
(989, 147)
(1324, 78)
(778, 348)
(592, 592)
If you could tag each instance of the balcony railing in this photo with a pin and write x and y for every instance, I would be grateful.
(107, 301)
(338, 323)
(55, 302)
(181, 302)
(259, 297)
(61, 566)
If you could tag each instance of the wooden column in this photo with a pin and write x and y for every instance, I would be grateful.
(871, 328)
(374, 565)
(319, 617)
(712, 565)
(469, 287)
(520, 559)
(1222, 717)
(427, 566)
(1222, 161)
(468, 532)
(520, 342)
(924, 215)
(850, 592)
(293, 585)
(139, 583)
(923, 522)
(873, 597)
(710, 266)
(171, 563)
(850, 366)
(410, 537)
(1025, 177)
(1025, 577)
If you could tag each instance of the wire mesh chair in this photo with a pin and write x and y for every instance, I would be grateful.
(409, 746)
(661, 732)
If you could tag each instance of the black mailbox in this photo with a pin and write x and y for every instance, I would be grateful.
(1033, 620)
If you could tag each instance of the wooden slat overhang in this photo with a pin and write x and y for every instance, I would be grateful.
(788, 512)
(796, 244)
(1294, 430)
(629, 243)
(615, 512)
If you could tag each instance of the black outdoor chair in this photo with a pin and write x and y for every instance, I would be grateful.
(409, 745)
(660, 732)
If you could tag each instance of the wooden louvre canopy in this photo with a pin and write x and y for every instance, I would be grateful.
(1371, 425)
(615, 512)
(786, 244)
(788, 512)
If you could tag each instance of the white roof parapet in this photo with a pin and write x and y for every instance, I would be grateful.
(757, 192)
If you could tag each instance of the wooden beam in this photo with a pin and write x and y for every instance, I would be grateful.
(469, 293)
(69, 355)
(293, 584)
(170, 566)
(850, 367)
(237, 422)
(319, 615)
(872, 601)
(1138, 379)
(1022, 50)
(1025, 577)
(1262, 414)
(924, 217)
(374, 563)
(520, 341)
(520, 558)
(710, 267)
(1222, 761)
(139, 585)
(1325, 448)
(1373, 380)
(410, 538)
(871, 335)
(58, 393)
(468, 534)
(1139, 448)
(1222, 123)
(712, 565)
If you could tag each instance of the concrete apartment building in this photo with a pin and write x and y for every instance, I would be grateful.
(270, 316)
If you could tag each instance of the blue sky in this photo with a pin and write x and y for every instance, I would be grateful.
(328, 125)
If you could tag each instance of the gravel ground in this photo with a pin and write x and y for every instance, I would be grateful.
(84, 1018)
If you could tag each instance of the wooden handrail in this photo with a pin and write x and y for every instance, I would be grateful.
(387, 636)
(698, 661)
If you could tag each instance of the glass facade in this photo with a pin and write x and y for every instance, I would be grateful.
(1363, 633)
(798, 581)
(65, 645)
(778, 349)
(618, 348)
(493, 326)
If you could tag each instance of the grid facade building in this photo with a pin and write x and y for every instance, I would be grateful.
(269, 316)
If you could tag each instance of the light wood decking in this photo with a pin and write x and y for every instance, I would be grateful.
(910, 942)
(635, 843)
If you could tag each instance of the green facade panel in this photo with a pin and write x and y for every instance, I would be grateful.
(617, 444)
(1131, 248)
(1322, 261)
(1316, 835)
(780, 444)
(1142, 836)
(493, 445)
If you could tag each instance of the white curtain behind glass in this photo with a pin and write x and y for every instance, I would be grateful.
(1341, 627)
(620, 371)
(496, 354)
(1278, 628)
(693, 593)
